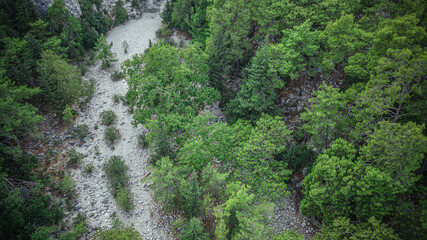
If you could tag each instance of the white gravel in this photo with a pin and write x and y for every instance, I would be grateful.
(94, 197)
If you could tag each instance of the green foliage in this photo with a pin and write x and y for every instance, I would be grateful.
(116, 171)
(43, 233)
(104, 52)
(257, 92)
(190, 192)
(167, 12)
(194, 230)
(161, 144)
(61, 82)
(142, 140)
(67, 116)
(166, 180)
(288, 235)
(170, 81)
(111, 134)
(107, 117)
(81, 131)
(118, 231)
(89, 168)
(66, 186)
(341, 228)
(340, 186)
(256, 166)
(116, 76)
(325, 121)
(119, 12)
(19, 117)
(297, 156)
(74, 158)
(240, 218)
(116, 98)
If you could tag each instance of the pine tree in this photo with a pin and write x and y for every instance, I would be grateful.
(104, 52)
(191, 195)
(167, 12)
(161, 142)
(218, 66)
(194, 230)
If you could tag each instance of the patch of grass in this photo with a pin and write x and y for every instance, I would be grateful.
(116, 98)
(81, 131)
(107, 117)
(111, 134)
(117, 75)
(142, 141)
(89, 168)
(74, 158)
(116, 171)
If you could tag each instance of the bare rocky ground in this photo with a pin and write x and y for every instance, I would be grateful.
(94, 197)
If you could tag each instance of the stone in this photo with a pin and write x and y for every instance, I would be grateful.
(291, 96)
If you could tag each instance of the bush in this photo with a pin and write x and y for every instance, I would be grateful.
(116, 76)
(66, 186)
(111, 134)
(107, 117)
(74, 158)
(116, 98)
(135, 3)
(118, 231)
(297, 156)
(142, 141)
(81, 131)
(67, 116)
(120, 14)
(89, 168)
(116, 169)
(124, 199)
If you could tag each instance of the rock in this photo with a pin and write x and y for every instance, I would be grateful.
(299, 185)
(282, 100)
(291, 96)
(305, 171)
(303, 224)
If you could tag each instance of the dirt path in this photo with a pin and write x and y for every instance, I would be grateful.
(94, 197)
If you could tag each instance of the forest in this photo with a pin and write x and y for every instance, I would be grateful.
(356, 137)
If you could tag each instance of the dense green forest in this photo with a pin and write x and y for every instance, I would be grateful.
(362, 138)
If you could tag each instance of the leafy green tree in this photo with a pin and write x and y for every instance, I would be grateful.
(342, 39)
(341, 228)
(172, 81)
(194, 230)
(218, 65)
(257, 93)
(232, 19)
(167, 12)
(341, 186)
(18, 61)
(397, 150)
(162, 147)
(190, 192)
(104, 52)
(166, 180)
(120, 13)
(206, 141)
(326, 119)
(60, 81)
(19, 117)
(240, 218)
(256, 166)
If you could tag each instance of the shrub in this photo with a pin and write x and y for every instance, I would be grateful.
(81, 131)
(142, 141)
(116, 98)
(111, 134)
(67, 116)
(297, 156)
(89, 168)
(74, 158)
(116, 169)
(66, 186)
(118, 231)
(120, 14)
(194, 230)
(107, 117)
(116, 76)
(124, 199)
(135, 3)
